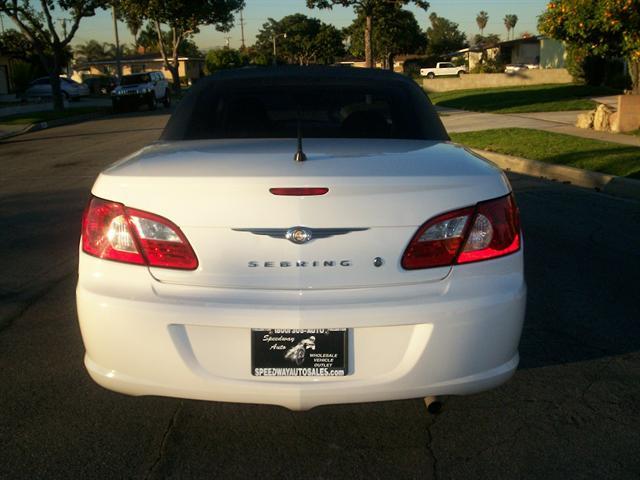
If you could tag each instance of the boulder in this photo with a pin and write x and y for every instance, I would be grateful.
(585, 120)
(601, 118)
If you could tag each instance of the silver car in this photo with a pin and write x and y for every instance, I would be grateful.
(71, 90)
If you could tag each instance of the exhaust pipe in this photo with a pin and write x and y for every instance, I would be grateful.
(433, 404)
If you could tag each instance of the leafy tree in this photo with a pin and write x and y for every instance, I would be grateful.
(443, 36)
(482, 19)
(222, 58)
(15, 45)
(604, 28)
(397, 32)
(183, 18)
(510, 21)
(26, 64)
(308, 40)
(38, 26)
(148, 41)
(367, 9)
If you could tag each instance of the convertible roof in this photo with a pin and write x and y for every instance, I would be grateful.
(291, 76)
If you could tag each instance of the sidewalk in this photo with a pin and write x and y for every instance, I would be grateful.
(559, 122)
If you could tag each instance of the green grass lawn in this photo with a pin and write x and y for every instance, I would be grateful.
(536, 98)
(595, 155)
(48, 115)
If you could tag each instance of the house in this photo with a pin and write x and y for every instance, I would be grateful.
(536, 50)
(190, 69)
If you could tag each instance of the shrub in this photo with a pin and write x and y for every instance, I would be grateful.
(490, 65)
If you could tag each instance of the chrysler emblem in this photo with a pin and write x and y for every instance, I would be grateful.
(298, 235)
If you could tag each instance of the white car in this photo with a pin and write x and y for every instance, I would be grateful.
(301, 237)
(148, 88)
(443, 69)
(71, 90)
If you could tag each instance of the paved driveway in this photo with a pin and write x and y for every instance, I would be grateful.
(571, 411)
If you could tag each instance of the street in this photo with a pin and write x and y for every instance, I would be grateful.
(571, 411)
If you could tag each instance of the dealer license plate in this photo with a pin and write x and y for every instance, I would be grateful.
(299, 353)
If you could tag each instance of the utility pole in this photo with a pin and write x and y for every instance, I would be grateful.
(275, 49)
(115, 29)
(227, 41)
(242, 45)
(2, 24)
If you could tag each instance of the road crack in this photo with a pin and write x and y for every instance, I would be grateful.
(163, 443)
(434, 468)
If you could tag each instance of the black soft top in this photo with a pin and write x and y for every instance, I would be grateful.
(200, 114)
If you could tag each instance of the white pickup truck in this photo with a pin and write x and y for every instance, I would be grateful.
(442, 69)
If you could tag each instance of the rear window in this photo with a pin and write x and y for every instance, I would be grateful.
(324, 102)
(134, 79)
(322, 112)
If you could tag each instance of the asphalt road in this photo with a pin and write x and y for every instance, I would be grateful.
(571, 411)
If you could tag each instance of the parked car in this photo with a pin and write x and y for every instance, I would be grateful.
(71, 90)
(443, 69)
(300, 237)
(149, 88)
(517, 67)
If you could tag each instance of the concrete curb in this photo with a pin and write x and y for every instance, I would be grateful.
(610, 184)
(34, 127)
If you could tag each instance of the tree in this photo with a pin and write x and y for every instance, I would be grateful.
(397, 32)
(443, 36)
(482, 19)
(148, 42)
(510, 21)
(221, 59)
(604, 28)
(308, 40)
(15, 45)
(367, 10)
(134, 23)
(38, 26)
(25, 65)
(183, 18)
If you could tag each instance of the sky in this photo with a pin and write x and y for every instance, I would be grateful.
(256, 13)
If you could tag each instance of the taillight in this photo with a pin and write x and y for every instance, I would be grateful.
(115, 232)
(298, 191)
(490, 229)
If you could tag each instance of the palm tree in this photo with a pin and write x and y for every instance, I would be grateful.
(481, 20)
(134, 24)
(93, 50)
(510, 21)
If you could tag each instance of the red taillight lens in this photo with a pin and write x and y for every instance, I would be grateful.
(299, 191)
(490, 229)
(115, 232)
